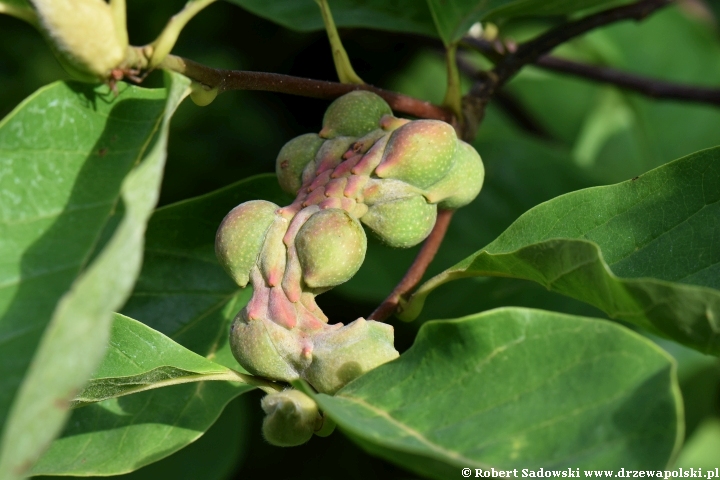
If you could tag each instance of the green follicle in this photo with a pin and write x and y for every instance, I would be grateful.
(358, 210)
(419, 153)
(263, 347)
(294, 156)
(291, 418)
(331, 247)
(241, 236)
(383, 190)
(341, 356)
(354, 114)
(402, 222)
(462, 183)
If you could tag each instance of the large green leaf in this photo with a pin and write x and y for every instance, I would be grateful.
(219, 449)
(454, 18)
(71, 156)
(123, 434)
(214, 456)
(140, 358)
(517, 388)
(630, 243)
(396, 15)
(183, 293)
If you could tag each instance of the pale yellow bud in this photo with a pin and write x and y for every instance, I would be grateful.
(83, 35)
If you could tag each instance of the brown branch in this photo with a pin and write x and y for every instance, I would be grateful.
(636, 83)
(651, 87)
(417, 269)
(510, 63)
(225, 80)
(530, 51)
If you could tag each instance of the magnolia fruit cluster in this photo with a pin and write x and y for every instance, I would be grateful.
(365, 167)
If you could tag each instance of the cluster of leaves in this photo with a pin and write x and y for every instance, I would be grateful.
(513, 387)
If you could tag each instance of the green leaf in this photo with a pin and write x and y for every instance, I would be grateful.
(517, 388)
(214, 456)
(139, 358)
(621, 248)
(183, 293)
(397, 16)
(453, 18)
(72, 154)
(143, 427)
(123, 434)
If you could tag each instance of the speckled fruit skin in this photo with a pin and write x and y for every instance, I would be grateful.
(331, 246)
(377, 191)
(354, 114)
(401, 222)
(265, 348)
(419, 153)
(343, 355)
(240, 237)
(82, 35)
(462, 183)
(293, 158)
